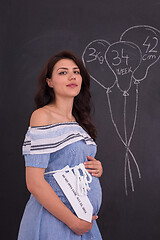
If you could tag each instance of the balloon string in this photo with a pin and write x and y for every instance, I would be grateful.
(127, 164)
(134, 124)
(127, 160)
(125, 125)
(126, 142)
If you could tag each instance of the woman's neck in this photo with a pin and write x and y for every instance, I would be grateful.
(64, 108)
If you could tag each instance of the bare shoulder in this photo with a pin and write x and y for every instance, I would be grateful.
(39, 117)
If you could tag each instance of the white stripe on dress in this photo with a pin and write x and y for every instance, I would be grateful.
(51, 138)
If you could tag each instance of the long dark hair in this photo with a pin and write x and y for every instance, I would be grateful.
(82, 102)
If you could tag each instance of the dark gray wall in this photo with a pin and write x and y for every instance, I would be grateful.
(31, 31)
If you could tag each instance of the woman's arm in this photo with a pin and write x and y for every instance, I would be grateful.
(93, 166)
(43, 192)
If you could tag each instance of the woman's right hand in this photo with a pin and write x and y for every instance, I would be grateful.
(81, 226)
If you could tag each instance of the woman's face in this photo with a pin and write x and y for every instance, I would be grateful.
(66, 79)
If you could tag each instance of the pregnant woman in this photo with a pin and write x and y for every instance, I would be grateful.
(60, 133)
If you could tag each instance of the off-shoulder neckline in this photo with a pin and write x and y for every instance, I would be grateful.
(55, 124)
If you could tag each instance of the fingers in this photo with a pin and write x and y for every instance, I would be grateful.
(92, 163)
(94, 173)
(94, 217)
(91, 158)
(93, 166)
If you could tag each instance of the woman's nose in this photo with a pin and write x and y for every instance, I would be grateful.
(72, 76)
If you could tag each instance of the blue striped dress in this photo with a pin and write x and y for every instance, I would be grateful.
(53, 147)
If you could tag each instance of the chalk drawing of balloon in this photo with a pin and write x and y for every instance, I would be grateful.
(147, 38)
(93, 59)
(123, 58)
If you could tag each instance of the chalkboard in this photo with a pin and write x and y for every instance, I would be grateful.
(119, 42)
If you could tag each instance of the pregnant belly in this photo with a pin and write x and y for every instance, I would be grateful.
(95, 194)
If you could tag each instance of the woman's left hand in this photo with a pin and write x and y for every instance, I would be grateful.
(93, 166)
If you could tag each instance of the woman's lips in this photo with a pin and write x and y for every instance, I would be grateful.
(72, 85)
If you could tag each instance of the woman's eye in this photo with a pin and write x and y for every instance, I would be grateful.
(63, 73)
(77, 72)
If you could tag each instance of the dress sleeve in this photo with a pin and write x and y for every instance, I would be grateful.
(34, 158)
(37, 160)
